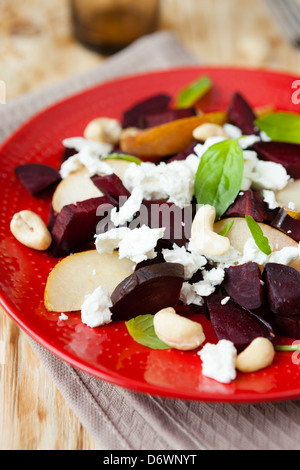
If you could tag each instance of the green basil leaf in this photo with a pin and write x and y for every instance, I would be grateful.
(282, 126)
(142, 331)
(219, 176)
(287, 347)
(260, 240)
(226, 228)
(193, 92)
(123, 156)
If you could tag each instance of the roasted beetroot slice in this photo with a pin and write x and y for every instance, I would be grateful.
(67, 153)
(244, 285)
(234, 323)
(287, 224)
(133, 116)
(286, 326)
(185, 154)
(251, 203)
(157, 214)
(111, 185)
(285, 153)
(36, 177)
(147, 291)
(283, 289)
(75, 225)
(51, 218)
(156, 119)
(241, 114)
(161, 244)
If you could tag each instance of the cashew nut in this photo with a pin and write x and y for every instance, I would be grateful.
(258, 355)
(30, 230)
(103, 130)
(176, 331)
(208, 129)
(203, 237)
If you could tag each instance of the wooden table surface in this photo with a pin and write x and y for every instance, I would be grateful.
(33, 414)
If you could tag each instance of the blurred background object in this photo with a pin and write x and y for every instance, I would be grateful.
(107, 26)
(38, 46)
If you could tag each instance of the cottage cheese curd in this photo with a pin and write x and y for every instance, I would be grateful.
(218, 361)
(95, 310)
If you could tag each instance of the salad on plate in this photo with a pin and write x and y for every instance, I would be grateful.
(171, 211)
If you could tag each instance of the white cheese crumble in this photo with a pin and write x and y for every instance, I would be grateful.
(172, 181)
(137, 244)
(95, 310)
(89, 154)
(128, 209)
(109, 241)
(63, 316)
(194, 293)
(191, 262)
(252, 253)
(188, 295)
(270, 198)
(211, 279)
(269, 175)
(261, 175)
(218, 361)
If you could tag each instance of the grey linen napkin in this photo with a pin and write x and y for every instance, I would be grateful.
(119, 419)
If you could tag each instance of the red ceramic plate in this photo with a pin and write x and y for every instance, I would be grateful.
(109, 353)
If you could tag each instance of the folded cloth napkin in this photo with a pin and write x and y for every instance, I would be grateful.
(119, 419)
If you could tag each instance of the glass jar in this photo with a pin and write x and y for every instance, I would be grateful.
(107, 26)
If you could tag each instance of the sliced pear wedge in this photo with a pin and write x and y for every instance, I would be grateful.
(290, 194)
(80, 274)
(78, 186)
(239, 234)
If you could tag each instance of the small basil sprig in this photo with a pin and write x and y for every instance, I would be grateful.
(142, 331)
(219, 176)
(193, 92)
(226, 228)
(281, 126)
(123, 156)
(260, 240)
(287, 347)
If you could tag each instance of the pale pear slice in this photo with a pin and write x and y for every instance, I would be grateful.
(290, 194)
(78, 186)
(80, 274)
(239, 234)
(119, 166)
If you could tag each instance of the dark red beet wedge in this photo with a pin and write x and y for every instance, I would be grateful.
(287, 326)
(133, 116)
(51, 218)
(251, 203)
(283, 289)
(111, 185)
(185, 154)
(285, 153)
(236, 324)
(287, 224)
(241, 114)
(175, 219)
(244, 285)
(75, 225)
(147, 290)
(156, 119)
(36, 177)
(67, 153)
